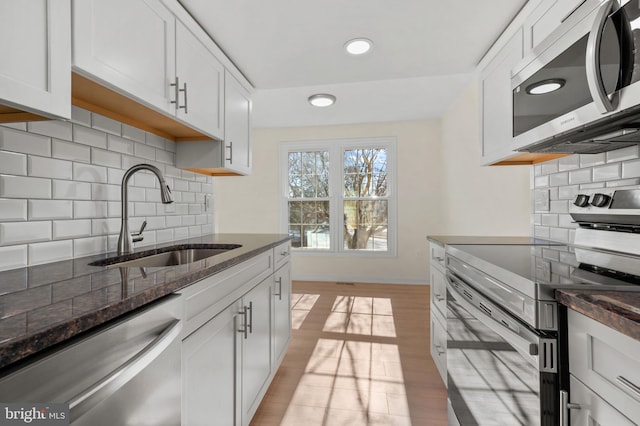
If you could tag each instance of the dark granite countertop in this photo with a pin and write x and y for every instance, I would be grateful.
(619, 310)
(443, 240)
(44, 305)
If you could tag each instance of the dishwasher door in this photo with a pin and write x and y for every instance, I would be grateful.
(125, 373)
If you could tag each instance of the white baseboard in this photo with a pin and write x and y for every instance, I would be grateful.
(329, 278)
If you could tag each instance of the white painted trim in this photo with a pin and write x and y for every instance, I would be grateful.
(358, 280)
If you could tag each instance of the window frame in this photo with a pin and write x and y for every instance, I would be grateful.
(336, 148)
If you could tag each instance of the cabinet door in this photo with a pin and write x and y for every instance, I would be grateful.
(594, 411)
(281, 311)
(237, 127)
(127, 45)
(496, 104)
(204, 76)
(256, 348)
(35, 71)
(210, 358)
(546, 18)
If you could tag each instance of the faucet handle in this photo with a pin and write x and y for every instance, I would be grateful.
(137, 236)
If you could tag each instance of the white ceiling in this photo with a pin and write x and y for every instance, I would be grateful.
(423, 52)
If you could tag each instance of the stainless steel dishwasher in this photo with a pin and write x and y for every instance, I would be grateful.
(126, 372)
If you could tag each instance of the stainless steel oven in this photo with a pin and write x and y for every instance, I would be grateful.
(507, 350)
(499, 371)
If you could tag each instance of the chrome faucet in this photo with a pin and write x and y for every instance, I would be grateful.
(126, 239)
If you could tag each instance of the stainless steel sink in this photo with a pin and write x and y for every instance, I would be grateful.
(167, 256)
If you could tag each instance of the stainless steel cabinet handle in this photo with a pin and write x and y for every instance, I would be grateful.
(230, 148)
(284, 253)
(176, 92)
(440, 350)
(629, 385)
(251, 317)
(594, 73)
(279, 292)
(245, 323)
(438, 297)
(565, 406)
(108, 385)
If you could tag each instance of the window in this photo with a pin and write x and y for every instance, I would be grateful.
(339, 196)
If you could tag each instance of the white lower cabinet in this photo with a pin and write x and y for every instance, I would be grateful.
(238, 327)
(438, 309)
(211, 365)
(605, 374)
(256, 347)
(281, 312)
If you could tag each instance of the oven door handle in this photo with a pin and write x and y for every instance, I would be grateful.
(526, 345)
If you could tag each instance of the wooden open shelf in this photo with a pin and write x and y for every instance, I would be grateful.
(529, 158)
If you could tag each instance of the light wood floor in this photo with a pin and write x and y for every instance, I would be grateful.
(359, 355)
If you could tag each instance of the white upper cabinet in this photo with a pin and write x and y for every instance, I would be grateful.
(127, 45)
(237, 121)
(545, 18)
(139, 49)
(35, 70)
(200, 87)
(496, 106)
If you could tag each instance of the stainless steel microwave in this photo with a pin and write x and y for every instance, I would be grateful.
(579, 90)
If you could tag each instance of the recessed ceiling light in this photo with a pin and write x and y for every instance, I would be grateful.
(322, 100)
(545, 86)
(358, 46)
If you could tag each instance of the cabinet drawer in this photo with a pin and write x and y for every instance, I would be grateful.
(438, 290)
(593, 409)
(439, 344)
(281, 254)
(205, 299)
(436, 257)
(607, 361)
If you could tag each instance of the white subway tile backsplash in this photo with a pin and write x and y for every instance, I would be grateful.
(624, 182)
(50, 252)
(71, 190)
(50, 209)
(118, 144)
(24, 232)
(608, 172)
(60, 189)
(26, 143)
(571, 162)
(165, 157)
(68, 229)
(560, 206)
(12, 257)
(144, 151)
(623, 154)
(49, 167)
(106, 124)
(590, 160)
(568, 192)
(13, 210)
(549, 167)
(559, 179)
(80, 116)
(70, 151)
(541, 181)
(89, 173)
(13, 163)
(24, 187)
(87, 136)
(594, 185)
(559, 234)
(101, 157)
(105, 192)
(107, 226)
(53, 128)
(631, 169)
(89, 209)
(580, 176)
(89, 246)
(130, 132)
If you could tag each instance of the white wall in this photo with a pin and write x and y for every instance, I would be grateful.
(252, 203)
(479, 200)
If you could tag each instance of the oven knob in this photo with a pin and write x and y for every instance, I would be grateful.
(582, 200)
(600, 200)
